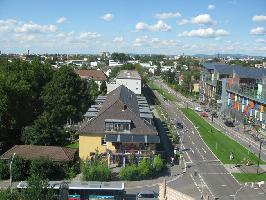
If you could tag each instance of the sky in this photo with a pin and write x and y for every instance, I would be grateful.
(170, 27)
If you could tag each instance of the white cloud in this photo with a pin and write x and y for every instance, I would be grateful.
(203, 19)
(261, 40)
(154, 42)
(211, 7)
(108, 17)
(89, 35)
(183, 21)
(204, 33)
(159, 26)
(118, 39)
(61, 20)
(258, 31)
(24, 37)
(35, 28)
(167, 15)
(259, 18)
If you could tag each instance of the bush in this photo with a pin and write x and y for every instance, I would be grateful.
(38, 189)
(145, 170)
(47, 169)
(20, 169)
(4, 170)
(158, 164)
(130, 173)
(7, 194)
(96, 172)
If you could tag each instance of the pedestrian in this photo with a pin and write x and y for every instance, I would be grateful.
(172, 161)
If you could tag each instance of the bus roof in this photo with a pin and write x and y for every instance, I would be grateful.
(82, 185)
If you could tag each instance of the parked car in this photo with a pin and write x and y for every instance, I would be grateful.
(229, 123)
(207, 110)
(147, 195)
(179, 125)
(204, 114)
(198, 109)
(214, 114)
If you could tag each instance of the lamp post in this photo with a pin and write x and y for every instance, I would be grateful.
(261, 141)
(10, 171)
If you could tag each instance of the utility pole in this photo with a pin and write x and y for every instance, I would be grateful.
(10, 171)
(261, 141)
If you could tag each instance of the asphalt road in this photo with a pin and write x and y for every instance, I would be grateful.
(245, 139)
(207, 172)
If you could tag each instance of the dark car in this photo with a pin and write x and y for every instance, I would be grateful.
(179, 125)
(147, 195)
(207, 110)
(214, 114)
(229, 123)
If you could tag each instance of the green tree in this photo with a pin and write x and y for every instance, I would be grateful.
(145, 169)
(38, 188)
(103, 88)
(20, 169)
(8, 195)
(158, 164)
(93, 91)
(4, 170)
(46, 169)
(65, 97)
(96, 172)
(129, 173)
(45, 132)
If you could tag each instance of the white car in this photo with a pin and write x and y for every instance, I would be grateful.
(198, 109)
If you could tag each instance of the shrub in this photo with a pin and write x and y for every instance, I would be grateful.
(20, 169)
(7, 194)
(145, 169)
(130, 173)
(47, 169)
(4, 170)
(158, 164)
(96, 172)
(38, 189)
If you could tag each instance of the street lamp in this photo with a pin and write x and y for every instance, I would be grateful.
(10, 171)
(261, 142)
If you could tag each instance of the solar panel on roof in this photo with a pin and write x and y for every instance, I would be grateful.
(125, 138)
(139, 138)
(111, 138)
(153, 139)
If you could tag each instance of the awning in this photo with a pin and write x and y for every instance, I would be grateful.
(126, 138)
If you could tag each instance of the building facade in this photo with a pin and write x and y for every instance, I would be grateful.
(119, 123)
(129, 78)
(238, 92)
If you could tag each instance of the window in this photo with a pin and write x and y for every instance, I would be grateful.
(109, 126)
(118, 127)
(103, 142)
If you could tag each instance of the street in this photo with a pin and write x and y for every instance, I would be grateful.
(207, 172)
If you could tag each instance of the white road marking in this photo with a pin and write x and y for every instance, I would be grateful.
(203, 150)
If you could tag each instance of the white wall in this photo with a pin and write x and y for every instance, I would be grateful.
(132, 84)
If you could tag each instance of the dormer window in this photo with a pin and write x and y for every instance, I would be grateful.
(117, 125)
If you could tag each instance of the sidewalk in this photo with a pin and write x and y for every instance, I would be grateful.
(232, 168)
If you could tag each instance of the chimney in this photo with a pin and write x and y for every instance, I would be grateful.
(124, 107)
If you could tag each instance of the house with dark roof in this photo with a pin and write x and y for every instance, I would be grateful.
(92, 74)
(31, 152)
(120, 122)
